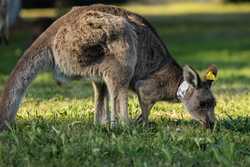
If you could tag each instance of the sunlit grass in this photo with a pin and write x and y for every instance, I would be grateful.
(189, 8)
(36, 13)
(162, 9)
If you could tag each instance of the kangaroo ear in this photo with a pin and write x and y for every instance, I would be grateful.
(211, 74)
(191, 76)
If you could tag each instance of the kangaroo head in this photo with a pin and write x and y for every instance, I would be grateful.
(197, 96)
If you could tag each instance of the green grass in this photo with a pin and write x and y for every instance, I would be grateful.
(54, 126)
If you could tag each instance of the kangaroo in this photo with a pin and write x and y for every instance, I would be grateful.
(117, 50)
(4, 25)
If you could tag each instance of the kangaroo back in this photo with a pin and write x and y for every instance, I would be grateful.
(93, 39)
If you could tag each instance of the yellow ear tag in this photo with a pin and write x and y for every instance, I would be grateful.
(210, 76)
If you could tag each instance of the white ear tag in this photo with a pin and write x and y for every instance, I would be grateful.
(182, 90)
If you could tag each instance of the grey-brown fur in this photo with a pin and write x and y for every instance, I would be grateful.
(4, 21)
(118, 50)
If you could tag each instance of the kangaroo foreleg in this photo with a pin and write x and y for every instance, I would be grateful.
(145, 111)
(147, 97)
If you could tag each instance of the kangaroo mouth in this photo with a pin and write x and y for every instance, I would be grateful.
(207, 124)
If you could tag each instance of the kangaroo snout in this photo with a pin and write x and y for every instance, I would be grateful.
(208, 124)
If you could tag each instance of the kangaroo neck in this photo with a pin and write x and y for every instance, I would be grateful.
(169, 77)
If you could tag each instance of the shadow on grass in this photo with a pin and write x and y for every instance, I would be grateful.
(232, 91)
(205, 18)
(239, 124)
(74, 89)
(201, 63)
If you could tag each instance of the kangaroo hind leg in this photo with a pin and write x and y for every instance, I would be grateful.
(117, 85)
(101, 103)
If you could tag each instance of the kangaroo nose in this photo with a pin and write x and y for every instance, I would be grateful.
(209, 125)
